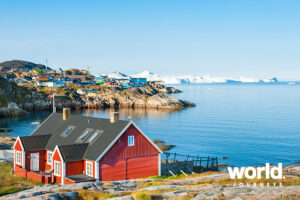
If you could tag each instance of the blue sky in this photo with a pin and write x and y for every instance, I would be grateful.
(257, 38)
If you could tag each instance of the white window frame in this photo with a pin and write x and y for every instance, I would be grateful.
(19, 154)
(131, 140)
(49, 162)
(57, 172)
(90, 168)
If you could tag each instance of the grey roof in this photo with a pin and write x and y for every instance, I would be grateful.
(80, 178)
(34, 142)
(73, 152)
(55, 126)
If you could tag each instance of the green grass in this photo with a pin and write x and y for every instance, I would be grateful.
(10, 190)
(9, 183)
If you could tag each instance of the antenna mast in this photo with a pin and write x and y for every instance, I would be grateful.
(54, 107)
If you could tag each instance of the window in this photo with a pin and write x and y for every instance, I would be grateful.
(68, 131)
(130, 140)
(18, 157)
(49, 158)
(89, 168)
(93, 137)
(56, 168)
(84, 134)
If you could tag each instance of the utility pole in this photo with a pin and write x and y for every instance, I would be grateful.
(54, 107)
(46, 65)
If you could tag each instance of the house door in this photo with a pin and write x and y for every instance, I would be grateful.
(34, 162)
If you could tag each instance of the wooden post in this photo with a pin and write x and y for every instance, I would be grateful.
(207, 162)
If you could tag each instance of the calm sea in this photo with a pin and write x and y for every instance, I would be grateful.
(250, 123)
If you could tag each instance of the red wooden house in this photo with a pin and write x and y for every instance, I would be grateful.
(69, 148)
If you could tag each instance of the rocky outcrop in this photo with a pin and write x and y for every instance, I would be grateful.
(196, 188)
(145, 97)
(16, 100)
(11, 110)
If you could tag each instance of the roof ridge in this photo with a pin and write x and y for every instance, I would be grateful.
(83, 116)
(72, 144)
(26, 136)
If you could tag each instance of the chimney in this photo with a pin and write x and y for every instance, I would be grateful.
(66, 113)
(114, 116)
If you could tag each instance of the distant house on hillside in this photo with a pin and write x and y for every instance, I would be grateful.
(50, 83)
(138, 80)
(69, 148)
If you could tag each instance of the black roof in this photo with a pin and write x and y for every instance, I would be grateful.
(37, 142)
(73, 152)
(80, 178)
(54, 127)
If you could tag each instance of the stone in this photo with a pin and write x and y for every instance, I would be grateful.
(54, 196)
(122, 198)
(161, 187)
(70, 195)
(36, 193)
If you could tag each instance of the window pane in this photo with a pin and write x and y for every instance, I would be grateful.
(84, 135)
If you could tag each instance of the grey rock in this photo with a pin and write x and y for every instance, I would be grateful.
(36, 194)
(54, 196)
(99, 184)
(129, 186)
(161, 187)
(115, 183)
(70, 195)
(172, 195)
(122, 198)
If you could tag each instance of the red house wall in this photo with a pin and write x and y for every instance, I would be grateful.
(18, 147)
(42, 158)
(127, 162)
(56, 157)
(121, 150)
(75, 167)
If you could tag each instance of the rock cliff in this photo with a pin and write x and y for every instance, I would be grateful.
(16, 100)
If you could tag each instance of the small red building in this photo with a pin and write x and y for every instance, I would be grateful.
(69, 148)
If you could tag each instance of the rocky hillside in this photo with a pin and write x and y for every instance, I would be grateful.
(22, 65)
(15, 100)
(210, 186)
(143, 97)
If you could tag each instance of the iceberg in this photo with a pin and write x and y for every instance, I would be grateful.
(196, 79)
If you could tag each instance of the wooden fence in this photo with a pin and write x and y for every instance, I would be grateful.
(174, 163)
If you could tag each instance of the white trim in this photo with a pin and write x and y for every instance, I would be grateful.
(159, 150)
(86, 171)
(23, 159)
(57, 149)
(18, 139)
(97, 171)
(130, 136)
(16, 156)
(63, 173)
(120, 134)
(54, 172)
(14, 160)
(113, 142)
(159, 164)
(49, 163)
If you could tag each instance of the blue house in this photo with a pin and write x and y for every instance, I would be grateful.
(138, 80)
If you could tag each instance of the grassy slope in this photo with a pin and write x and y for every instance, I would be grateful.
(10, 183)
